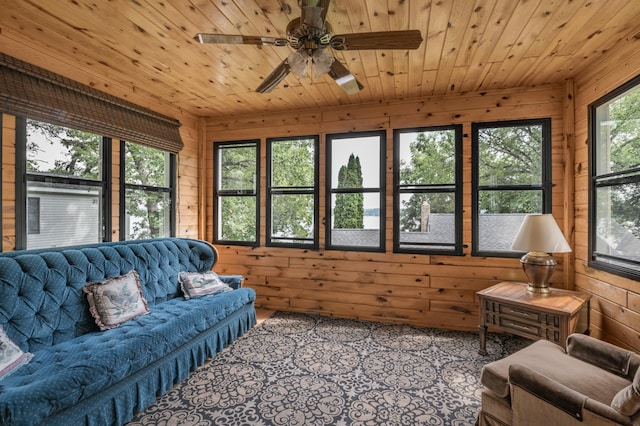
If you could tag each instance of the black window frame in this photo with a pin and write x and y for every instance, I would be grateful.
(23, 177)
(626, 268)
(329, 191)
(455, 188)
(147, 188)
(546, 184)
(302, 190)
(217, 193)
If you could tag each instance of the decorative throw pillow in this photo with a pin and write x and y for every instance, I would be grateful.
(627, 401)
(11, 356)
(116, 300)
(198, 284)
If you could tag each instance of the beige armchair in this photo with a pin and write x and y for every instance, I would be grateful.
(591, 383)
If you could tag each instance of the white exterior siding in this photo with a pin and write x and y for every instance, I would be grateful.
(67, 217)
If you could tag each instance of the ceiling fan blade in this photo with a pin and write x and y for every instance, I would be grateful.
(273, 79)
(344, 78)
(409, 39)
(240, 39)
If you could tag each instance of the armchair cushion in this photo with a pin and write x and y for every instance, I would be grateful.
(550, 360)
(627, 401)
(495, 375)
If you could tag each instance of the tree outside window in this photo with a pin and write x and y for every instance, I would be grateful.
(236, 195)
(349, 210)
(511, 178)
(148, 192)
(65, 187)
(614, 225)
(355, 191)
(292, 195)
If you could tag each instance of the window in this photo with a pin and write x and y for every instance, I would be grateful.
(65, 199)
(147, 192)
(427, 196)
(292, 195)
(33, 215)
(236, 183)
(511, 178)
(355, 191)
(614, 168)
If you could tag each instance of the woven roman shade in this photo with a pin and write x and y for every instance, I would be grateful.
(33, 92)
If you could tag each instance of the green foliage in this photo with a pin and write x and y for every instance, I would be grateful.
(432, 162)
(624, 154)
(238, 168)
(293, 166)
(237, 213)
(147, 210)
(510, 156)
(625, 134)
(238, 218)
(81, 156)
(81, 150)
(349, 209)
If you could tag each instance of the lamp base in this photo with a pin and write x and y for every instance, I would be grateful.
(538, 267)
(540, 290)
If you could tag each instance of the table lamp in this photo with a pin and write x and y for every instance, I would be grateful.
(539, 235)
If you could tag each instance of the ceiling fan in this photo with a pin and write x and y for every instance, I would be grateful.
(310, 35)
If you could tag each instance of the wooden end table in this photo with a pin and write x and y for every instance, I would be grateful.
(510, 307)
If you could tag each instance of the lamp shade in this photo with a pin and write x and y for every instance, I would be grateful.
(540, 233)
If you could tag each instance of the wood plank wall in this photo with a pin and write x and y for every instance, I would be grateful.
(438, 291)
(615, 307)
(188, 173)
(187, 180)
(8, 183)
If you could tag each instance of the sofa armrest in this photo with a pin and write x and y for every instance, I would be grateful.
(602, 354)
(233, 281)
(560, 396)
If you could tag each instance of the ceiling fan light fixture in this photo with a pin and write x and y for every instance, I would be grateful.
(321, 62)
(298, 62)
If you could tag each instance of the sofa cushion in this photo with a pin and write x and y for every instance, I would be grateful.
(41, 297)
(199, 284)
(11, 356)
(116, 300)
(63, 375)
(551, 360)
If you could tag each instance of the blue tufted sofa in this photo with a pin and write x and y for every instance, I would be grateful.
(82, 376)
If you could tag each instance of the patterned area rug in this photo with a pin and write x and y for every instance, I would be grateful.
(297, 369)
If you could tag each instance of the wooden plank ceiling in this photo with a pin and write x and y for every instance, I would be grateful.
(146, 48)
